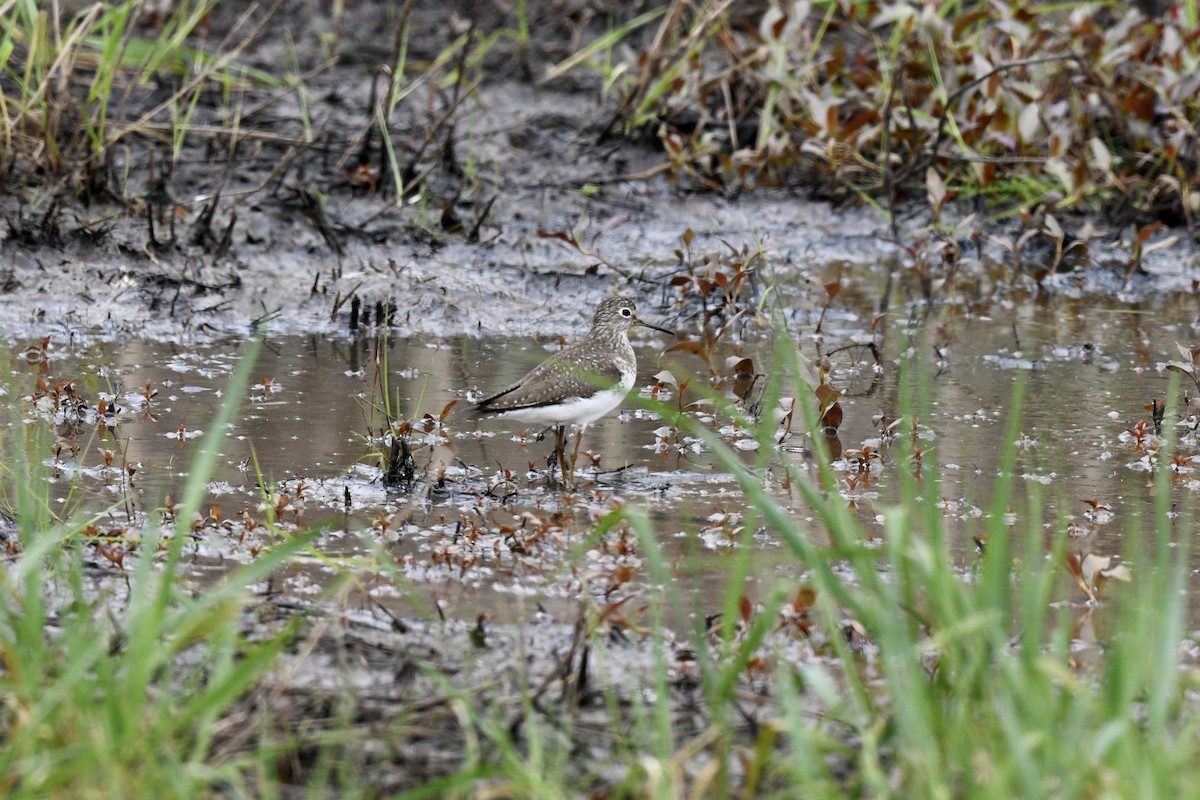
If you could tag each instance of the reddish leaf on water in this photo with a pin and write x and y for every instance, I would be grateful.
(688, 346)
(613, 607)
(721, 280)
(804, 599)
(746, 608)
(736, 365)
(833, 417)
(541, 234)
(875, 323)
(833, 289)
(1146, 231)
(826, 396)
(446, 410)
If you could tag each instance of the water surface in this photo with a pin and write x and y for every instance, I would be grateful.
(483, 530)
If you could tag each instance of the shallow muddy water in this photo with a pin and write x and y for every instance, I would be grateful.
(482, 530)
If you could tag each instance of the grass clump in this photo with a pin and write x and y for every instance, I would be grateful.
(76, 86)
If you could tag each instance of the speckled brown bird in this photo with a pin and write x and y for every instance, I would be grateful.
(579, 384)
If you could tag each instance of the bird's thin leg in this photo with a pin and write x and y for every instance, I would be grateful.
(560, 442)
(575, 454)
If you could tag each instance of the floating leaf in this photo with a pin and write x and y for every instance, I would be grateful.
(739, 364)
(544, 234)
(667, 379)
(832, 418)
(826, 396)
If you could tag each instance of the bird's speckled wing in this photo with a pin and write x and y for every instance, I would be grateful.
(564, 375)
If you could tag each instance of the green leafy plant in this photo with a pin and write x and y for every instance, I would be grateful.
(1084, 106)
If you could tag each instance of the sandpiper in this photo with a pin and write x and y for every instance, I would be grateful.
(579, 384)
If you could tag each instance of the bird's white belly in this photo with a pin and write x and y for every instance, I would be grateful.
(580, 411)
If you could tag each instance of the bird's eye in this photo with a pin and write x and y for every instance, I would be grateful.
(625, 312)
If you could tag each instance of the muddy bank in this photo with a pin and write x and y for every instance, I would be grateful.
(277, 227)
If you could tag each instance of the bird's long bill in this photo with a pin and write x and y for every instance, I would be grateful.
(645, 324)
